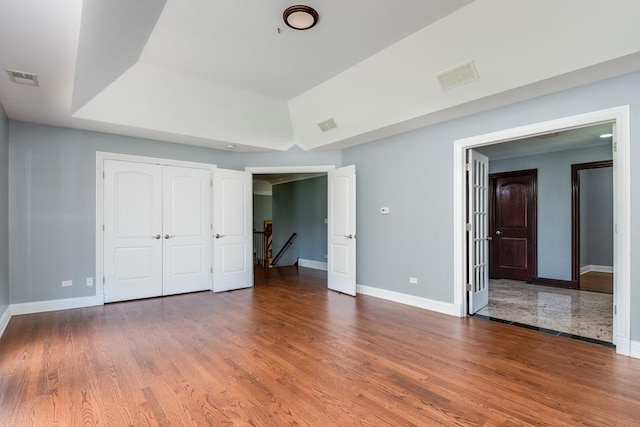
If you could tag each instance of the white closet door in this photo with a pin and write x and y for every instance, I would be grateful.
(132, 230)
(233, 242)
(186, 217)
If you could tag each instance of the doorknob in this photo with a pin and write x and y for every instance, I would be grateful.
(217, 236)
(166, 236)
(349, 236)
(157, 236)
(498, 233)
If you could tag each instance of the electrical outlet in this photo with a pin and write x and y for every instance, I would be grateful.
(66, 283)
(89, 281)
(413, 280)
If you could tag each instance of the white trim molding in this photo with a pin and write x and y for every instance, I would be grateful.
(55, 305)
(308, 263)
(4, 319)
(412, 300)
(619, 116)
(596, 268)
(634, 349)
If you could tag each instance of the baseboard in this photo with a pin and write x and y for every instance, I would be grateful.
(556, 283)
(414, 301)
(318, 265)
(4, 319)
(596, 268)
(54, 305)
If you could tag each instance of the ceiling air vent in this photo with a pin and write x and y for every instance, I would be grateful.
(458, 76)
(23, 78)
(327, 125)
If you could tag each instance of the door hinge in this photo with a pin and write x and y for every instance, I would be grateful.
(468, 167)
(615, 147)
(103, 228)
(104, 280)
(468, 287)
(211, 182)
(467, 226)
(211, 270)
(103, 175)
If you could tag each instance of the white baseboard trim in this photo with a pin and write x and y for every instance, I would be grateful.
(596, 268)
(634, 349)
(414, 301)
(4, 319)
(54, 305)
(318, 265)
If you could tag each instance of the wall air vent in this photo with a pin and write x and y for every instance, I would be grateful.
(327, 125)
(23, 78)
(458, 76)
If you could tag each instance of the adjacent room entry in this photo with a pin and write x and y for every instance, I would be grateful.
(157, 220)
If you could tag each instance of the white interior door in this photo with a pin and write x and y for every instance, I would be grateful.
(132, 230)
(341, 271)
(186, 229)
(478, 235)
(232, 230)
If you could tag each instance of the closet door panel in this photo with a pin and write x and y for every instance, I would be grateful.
(187, 237)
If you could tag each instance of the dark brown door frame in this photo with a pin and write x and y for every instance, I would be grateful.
(575, 213)
(534, 220)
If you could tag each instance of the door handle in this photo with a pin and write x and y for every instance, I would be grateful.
(166, 236)
(157, 236)
(498, 233)
(217, 236)
(349, 236)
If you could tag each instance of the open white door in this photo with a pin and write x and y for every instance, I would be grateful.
(232, 230)
(478, 235)
(341, 274)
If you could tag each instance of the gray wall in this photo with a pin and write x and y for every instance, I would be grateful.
(554, 203)
(52, 200)
(262, 210)
(4, 211)
(599, 219)
(301, 207)
(412, 174)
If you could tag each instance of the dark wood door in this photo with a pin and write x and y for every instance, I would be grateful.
(512, 224)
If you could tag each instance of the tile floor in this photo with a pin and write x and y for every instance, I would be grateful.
(569, 312)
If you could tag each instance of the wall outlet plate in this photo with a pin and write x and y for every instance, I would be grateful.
(413, 280)
(66, 283)
(89, 281)
(385, 211)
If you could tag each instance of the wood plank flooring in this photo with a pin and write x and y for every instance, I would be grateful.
(597, 282)
(289, 352)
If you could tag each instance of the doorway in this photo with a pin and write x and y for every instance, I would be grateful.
(591, 231)
(341, 221)
(620, 119)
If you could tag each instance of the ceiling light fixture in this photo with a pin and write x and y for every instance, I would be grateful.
(606, 135)
(300, 17)
(231, 146)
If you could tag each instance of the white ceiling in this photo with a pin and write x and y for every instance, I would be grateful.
(216, 72)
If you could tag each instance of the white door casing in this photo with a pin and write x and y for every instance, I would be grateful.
(232, 230)
(187, 224)
(478, 235)
(341, 268)
(132, 230)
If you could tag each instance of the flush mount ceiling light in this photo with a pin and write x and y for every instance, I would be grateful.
(300, 17)
(606, 135)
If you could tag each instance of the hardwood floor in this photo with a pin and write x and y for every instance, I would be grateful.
(289, 352)
(597, 282)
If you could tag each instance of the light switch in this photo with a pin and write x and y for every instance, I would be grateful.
(384, 211)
